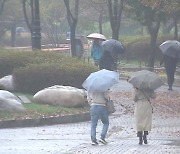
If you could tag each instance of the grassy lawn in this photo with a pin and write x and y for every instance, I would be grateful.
(34, 111)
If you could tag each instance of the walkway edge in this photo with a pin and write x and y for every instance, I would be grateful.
(45, 121)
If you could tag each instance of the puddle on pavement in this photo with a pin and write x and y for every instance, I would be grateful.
(174, 143)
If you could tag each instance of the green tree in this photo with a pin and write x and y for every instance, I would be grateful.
(172, 9)
(149, 14)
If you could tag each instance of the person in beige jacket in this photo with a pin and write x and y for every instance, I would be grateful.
(143, 112)
(97, 101)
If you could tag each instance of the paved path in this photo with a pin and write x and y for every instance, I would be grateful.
(74, 138)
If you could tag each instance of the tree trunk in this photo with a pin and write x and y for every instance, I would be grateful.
(115, 33)
(13, 35)
(175, 19)
(100, 22)
(72, 20)
(29, 23)
(2, 6)
(73, 42)
(152, 54)
(115, 12)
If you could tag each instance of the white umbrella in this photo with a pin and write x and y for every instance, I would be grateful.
(101, 81)
(96, 36)
(145, 79)
(171, 48)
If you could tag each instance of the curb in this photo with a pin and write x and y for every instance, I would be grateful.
(45, 121)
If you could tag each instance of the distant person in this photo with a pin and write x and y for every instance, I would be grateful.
(97, 101)
(107, 62)
(96, 51)
(170, 67)
(79, 48)
(143, 112)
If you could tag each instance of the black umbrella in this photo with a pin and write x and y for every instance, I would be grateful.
(171, 48)
(113, 46)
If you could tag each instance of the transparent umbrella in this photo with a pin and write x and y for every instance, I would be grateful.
(101, 81)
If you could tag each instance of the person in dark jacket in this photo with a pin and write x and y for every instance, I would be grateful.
(107, 62)
(170, 67)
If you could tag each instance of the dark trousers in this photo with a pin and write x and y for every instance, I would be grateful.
(170, 66)
(141, 133)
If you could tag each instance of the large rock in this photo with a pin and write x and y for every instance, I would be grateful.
(6, 83)
(178, 71)
(10, 102)
(61, 95)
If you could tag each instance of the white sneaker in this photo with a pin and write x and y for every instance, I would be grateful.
(102, 141)
(94, 143)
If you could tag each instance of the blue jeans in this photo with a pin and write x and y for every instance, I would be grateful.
(99, 112)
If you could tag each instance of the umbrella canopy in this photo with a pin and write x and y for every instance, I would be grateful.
(113, 46)
(101, 81)
(171, 48)
(96, 36)
(145, 79)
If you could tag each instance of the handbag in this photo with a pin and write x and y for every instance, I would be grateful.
(110, 106)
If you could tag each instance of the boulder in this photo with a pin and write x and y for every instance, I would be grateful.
(61, 95)
(10, 102)
(178, 71)
(6, 83)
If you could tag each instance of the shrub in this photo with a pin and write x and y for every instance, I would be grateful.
(64, 70)
(138, 47)
(10, 59)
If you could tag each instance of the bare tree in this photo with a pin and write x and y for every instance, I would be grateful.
(72, 20)
(115, 12)
(99, 6)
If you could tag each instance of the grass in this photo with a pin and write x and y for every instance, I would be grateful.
(34, 111)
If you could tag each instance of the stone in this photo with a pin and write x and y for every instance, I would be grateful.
(6, 83)
(10, 102)
(178, 71)
(65, 96)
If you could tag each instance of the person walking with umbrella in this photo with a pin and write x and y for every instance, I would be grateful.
(96, 49)
(144, 83)
(143, 112)
(97, 86)
(97, 101)
(112, 49)
(171, 54)
(170, 67)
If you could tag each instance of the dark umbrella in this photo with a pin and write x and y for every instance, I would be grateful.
(113, 46)
(171, 48)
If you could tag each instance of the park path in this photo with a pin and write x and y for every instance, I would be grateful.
(74, 138)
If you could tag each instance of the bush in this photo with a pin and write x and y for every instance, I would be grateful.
(138, 47)
(10, 59)
(51, 69)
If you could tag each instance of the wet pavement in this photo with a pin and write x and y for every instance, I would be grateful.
(74, 138)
